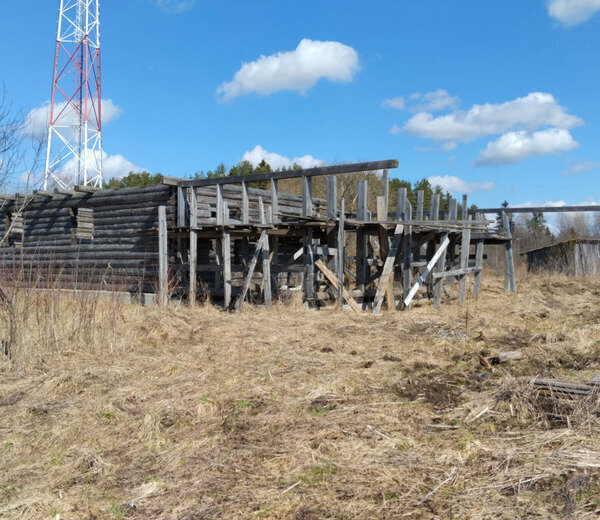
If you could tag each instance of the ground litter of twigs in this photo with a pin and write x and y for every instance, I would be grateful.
(300, 415)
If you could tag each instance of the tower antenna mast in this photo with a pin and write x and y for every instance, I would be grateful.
(74, 148)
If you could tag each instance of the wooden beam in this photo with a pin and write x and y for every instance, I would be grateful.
(430, 266)
(275, 200)
(193, 211)
(510, 283)
(226, 256)
(307, 197)
(341, 243)
(331, 197)
(292, 174)
(163, 256)
(257, 251)
(478, 264)
(388, 271)
(540, 209)
(334, 282)
(464, 262)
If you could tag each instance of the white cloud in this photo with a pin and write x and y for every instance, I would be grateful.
(174, 6)
(395, 130)
(573, 12)
(513, 147)
(296, 70)
(580, 167)
(277, 161)
(39, 118)
(532, 111)
(434, 101)
(457, 185)
(398, 103)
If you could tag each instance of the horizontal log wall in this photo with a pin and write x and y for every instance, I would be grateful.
(123, 254)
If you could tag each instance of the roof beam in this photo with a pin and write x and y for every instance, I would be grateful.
(292, 174)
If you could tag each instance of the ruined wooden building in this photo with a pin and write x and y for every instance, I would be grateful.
(578, 257)
(221, 239)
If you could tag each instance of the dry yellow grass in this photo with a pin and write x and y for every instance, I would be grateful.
(115, 411)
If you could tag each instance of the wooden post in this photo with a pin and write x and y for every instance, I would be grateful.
(309, 264)
(435, 207)
(307, 197)
(362, 268)
(420, 203)
(275, 201)
(478, 263)
(331, 196)
(510, 282)
(193, 244)
(251, 267)
(438, 286)
(465, 207)
(434, 215)
(464, 263)
(385, 188)
(407, 252)
(341, 246)
(226, 255)
(163, 256)
(219, 276)
(220, 212)
(387, 273)
(245, 204)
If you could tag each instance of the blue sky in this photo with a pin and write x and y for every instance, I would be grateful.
(496, 98)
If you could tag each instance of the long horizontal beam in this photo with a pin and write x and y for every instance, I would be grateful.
(292, 174)
(540, 209)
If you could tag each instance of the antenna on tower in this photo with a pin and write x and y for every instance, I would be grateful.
(74, 148)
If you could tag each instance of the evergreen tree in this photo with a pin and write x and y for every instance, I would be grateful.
(134, 179)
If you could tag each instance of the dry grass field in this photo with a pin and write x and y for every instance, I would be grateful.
(111, 411)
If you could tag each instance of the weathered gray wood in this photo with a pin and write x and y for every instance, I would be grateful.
(464, 263)
(478, 264)
(509, 277)
(334, 282)
(388, 271)
(219, 207)
(456, 272)
(407, 252)
(257, 252)
(226, 256)
(331, 196)
(420, 203)
(440, 268)
(465, 207)
(291, 174)
(163, 258)
(309, 264)
(362, 268)
(182, 207)
(266, 261)
(434, 214)
(401, 204)
(385, 187)
(438, 254)
(540, 209)
(341, 243)
(245, 204)
(307, 197)
(275, 201)
(193, 257)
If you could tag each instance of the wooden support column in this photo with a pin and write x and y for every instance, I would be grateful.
(438, 286)
(163, 256)
(275, 201)
(406, 213)
(193, 207)
(420, 204)
(218, 241)
(182, 212)
(226, 256)
(387, 273)
(251, 268)
(332, 235)
(362, 268)
(478, 263)
(309, 254)
(385, 188)
(510, 283)
(465, 248)
(244, 244)
(307, 197)
(465, 207)
(340, 256)
(266, 260)
(434, 215)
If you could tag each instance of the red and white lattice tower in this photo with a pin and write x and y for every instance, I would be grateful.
(74, 154)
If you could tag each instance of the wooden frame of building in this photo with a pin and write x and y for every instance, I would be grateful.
(222, 239)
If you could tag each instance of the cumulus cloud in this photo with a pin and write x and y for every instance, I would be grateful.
(434, 101)
(296, 70)
(395, 130)
(277, 162)
(573, 12)
(428, 102)
(38, 119)
(580, 167)
(113, 166)
(398, 103)
(174, 6)
(513, 147)
(458, 185)
(532, 111)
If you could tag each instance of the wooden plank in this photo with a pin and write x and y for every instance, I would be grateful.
(388, 271)
(420, 204)
(478, 264)
(384, 245)
(226, 256)
(245, 204)
(307, 197)
(509, 272)
(193, 258)
(163, 258)
(385, 187)
(219, 207)
(540, 209)
(362, 269)
(438, 254)
(275, 200)
(341, 248)
(465, 207)
(438, 286)
(407, 252)
(334, 282)
(257, 251)
(332, 197)
(292, 174)
(266, 260)
(456, 272)
(464, 262)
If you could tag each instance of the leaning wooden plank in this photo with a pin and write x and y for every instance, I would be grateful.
(333, 281)
(430, 265)
(388, 270)
(251, 267)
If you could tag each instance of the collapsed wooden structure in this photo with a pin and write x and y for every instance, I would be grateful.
(576, 257)
(220, 238)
